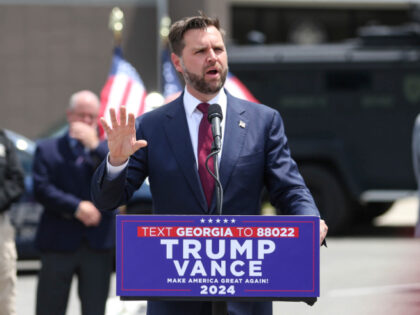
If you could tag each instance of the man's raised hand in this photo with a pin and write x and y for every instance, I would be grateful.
(121, 137)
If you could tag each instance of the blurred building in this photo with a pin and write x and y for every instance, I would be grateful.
(51, 48)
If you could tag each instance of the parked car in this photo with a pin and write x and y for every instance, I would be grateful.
(25, 214)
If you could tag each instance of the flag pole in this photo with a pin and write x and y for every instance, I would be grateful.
(116, 24)
(165, 24)
(162, 31)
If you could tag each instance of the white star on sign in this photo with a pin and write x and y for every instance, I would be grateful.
(218, 221)
(210, 221)
(202, 220)
(225, 221)
(233, 220)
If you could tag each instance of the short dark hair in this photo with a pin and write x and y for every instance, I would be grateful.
(179, 28)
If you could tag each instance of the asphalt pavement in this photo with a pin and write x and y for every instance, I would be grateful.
(373, 269)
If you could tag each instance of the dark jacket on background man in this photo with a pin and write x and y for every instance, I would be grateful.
(61, 180)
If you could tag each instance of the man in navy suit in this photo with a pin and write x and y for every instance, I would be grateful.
(166, 145)
(73, 236)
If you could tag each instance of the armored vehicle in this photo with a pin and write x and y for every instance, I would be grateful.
(349, 110)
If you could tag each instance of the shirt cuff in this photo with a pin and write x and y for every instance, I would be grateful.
(112, 172)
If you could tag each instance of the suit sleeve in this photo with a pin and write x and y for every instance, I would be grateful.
(109, 194)
(286, 187)
(13, 185)
(54, 199)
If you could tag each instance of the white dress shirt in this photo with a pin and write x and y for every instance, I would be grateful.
(194, 117)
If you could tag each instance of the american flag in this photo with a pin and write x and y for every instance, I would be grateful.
(238, 89)
(172, 87)
(124, 86)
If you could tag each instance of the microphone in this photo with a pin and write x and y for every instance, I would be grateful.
(215, 117)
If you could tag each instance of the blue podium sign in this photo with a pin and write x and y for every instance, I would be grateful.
(214, 257)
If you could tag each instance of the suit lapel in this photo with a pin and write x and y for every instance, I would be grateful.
(235, 132)
(68, 150)
(176, 129)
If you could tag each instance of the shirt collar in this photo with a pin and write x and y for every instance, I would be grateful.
(191, 103)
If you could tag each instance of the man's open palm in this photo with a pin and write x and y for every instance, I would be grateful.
(121, 137)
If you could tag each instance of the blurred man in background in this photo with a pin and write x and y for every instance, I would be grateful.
(74, 237)
(11, 188)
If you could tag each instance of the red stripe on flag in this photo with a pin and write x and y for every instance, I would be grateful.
(126, 93)
(124, 98)
(142, 104)
(104, 104)
(244, 90)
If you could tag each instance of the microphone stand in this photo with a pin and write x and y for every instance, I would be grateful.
(218, 307)
(219, 189)
(216, 177)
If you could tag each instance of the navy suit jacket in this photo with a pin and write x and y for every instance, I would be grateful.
(61, 180)
(255, 154)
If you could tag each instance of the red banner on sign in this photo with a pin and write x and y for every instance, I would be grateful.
(222, 232)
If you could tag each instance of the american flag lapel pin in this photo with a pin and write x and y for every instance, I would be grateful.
(242, 124)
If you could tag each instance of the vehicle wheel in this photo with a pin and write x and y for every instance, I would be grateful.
(329, 196)
(372, 210)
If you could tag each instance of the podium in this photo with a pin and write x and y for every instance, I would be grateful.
(165, 257)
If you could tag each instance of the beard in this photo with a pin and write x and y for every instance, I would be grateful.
(199, 83)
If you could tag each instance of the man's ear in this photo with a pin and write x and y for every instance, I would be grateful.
(176, 62)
